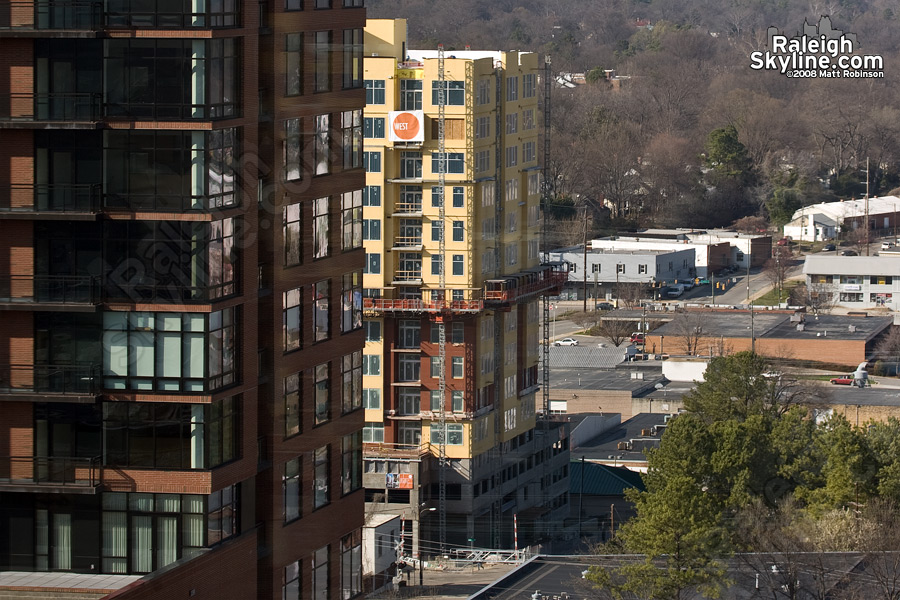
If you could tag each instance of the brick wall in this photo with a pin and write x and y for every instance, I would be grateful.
(16, 438)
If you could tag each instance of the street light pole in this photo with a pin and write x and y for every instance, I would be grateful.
(421, 569)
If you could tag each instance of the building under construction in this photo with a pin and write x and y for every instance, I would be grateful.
(453, 287)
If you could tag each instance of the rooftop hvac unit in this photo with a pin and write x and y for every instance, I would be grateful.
(623, 446)
(800, 326)
(646, 432)
(851, 328)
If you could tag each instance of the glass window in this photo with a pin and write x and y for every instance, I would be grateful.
(373, 127)
(512, 89)
(453, 162)
(351, 301)
(409, 433)
(371, 229)
(351, 565)
(409, 334)
(321, 493)
(483, 92)
(320, 227)
(292, 405)
(352, 138)
(291, 233)
(291, 319)
(372, 398)
(454, 434)
(437, 230)
(411, 166)
(454, 93)
(322, 394)
(374, 91)
(436, 404)
(293, 4)
(372, 162)
(457, 333)
(372, 195)
(221, 517)
(190, 352)
(529, 85)
(321, 149)
(435, 362)
(321, 301)
(456, 365)
(323, 61)
(410, 94)
(457, 400)
(320, 574)
(408, 401)
(371, 364)
(408, 367)
(290, 488)
(373, 433)
(351, 220)
(437, 198)
(437, 264)
(351, 462)
(459, 196)
(373, 331)
(351, 382)
(458, 262)
(293, 47)
(352, 75)
(292, 170)
(290, 588)
(458, 231)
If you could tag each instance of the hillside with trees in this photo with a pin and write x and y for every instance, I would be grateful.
(689, 135)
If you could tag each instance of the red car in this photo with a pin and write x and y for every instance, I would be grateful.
(637, 338)
(844, 380)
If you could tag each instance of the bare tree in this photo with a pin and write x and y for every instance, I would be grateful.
(631, 294)
(776, 268)
(818, 297)
(887, 350)
(585, 320)
(688, 329)
(616, 330)
(750, 224)
(857, 238)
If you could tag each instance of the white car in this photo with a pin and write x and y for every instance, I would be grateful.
(566, 342)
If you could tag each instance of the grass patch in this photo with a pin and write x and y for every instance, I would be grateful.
(771, 297)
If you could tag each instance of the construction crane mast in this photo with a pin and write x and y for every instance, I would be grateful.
(546, 189)
(442, 329)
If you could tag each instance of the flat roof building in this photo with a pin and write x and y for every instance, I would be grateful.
(857, 282)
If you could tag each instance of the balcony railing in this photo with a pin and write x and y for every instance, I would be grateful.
(51, 471)
(42, 15)
(77, 380)
(50, 107)
(432, 301)
(408, 241)
(407, 208)
(410, 276)
(167, 292)
(54, 289)
(50, 198)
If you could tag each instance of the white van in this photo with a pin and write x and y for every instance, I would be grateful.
(675, 291)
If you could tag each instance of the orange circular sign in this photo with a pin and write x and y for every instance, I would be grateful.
(406, 126)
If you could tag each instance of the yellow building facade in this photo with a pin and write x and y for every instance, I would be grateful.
(490, 300)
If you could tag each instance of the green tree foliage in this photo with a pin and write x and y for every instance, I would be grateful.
(747, 468)
(782, 205)
(727, 156)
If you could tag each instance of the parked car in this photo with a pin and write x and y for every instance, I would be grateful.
(843, 380)
(605, 306)
(675, 291)
(783, 241)
(566, 342)
(828, 248)
(887, 245)
(637, 337)
(849, 253)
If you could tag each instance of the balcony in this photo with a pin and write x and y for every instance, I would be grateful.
(80, 18)
(58, 18)
(521, 286)
(43, 292)
(407, 209)
(64, 201)
(431, 301)
(61, 110)
(50, 473)
(413, 277)
(408, 242)
(75, 383)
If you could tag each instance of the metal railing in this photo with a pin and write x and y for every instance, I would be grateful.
(50, 470)
(507, 291)
(167, 292)
(49, 379)
(431, 301)
(57, 289)
(38, 15)
(407, 207)
(408, 241)
(384, 449)
(50, 198)
(408, 275)
(51, 106)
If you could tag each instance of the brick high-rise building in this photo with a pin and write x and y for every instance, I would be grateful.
(498, 466)
(181, 260)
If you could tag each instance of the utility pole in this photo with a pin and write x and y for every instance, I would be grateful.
(867, 206)
(584, 286)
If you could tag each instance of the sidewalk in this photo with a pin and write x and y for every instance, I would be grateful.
(448, 584)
